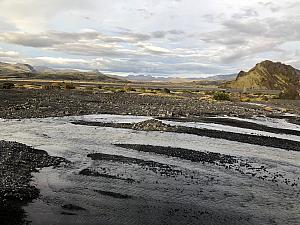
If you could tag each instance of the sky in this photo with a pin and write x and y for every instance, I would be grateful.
(179, 38)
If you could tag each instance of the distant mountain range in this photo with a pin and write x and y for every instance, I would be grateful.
(42, 72)
(10, 69)
(149, 78)
(268, 75)
(27, 71)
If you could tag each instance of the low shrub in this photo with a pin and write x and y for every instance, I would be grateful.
(165, 91)
(221, 96)
(143, 90)
(68, 86)
(128, 89)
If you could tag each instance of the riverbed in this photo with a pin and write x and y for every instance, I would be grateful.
(260, 185)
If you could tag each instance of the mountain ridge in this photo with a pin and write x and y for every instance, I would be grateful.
(267, 75)
(18, 70)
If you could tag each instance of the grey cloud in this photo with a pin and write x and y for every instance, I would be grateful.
(28, 40)
(136, 36)
(176, 32)
(255, 27)
(245, 13)
(243, 52)
(163, 34)
(53, 38)
(271, 5)
(213, 18)
(146, 13)
(159, 34)
(224, 37)
(243, 38)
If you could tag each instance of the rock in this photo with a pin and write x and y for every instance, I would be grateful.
(151, 125)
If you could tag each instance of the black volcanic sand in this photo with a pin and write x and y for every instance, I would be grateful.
(17, 162)
(233, 123)
(238, 164)
(231, 136)
(194, 156)
(93, 173)
(113, 194)
(19, 103)
(161, 168)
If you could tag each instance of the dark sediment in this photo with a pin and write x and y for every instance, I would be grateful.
(238, 164)
(72, 207)
(194, 156)
(234, 123)
(17, 162)
(89, 172)
(161, 168)
(243, 138)
(231, 136)
(113, 194)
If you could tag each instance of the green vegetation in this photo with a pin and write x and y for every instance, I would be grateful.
(221, 96)
(128, 89)
(165, 91)
(68, 86)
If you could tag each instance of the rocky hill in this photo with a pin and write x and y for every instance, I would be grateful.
(8, 69)
(268, 75)
(26, 71)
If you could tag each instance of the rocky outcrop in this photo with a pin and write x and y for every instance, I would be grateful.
(8, 69)
(268, 75)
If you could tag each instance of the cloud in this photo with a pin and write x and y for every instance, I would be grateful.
(247, 37)
(35, 14)
(271, 5)
(8, 54)
(245, 13)
(89, 43)
(30, 40)
(154, 49)
(161, 37)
